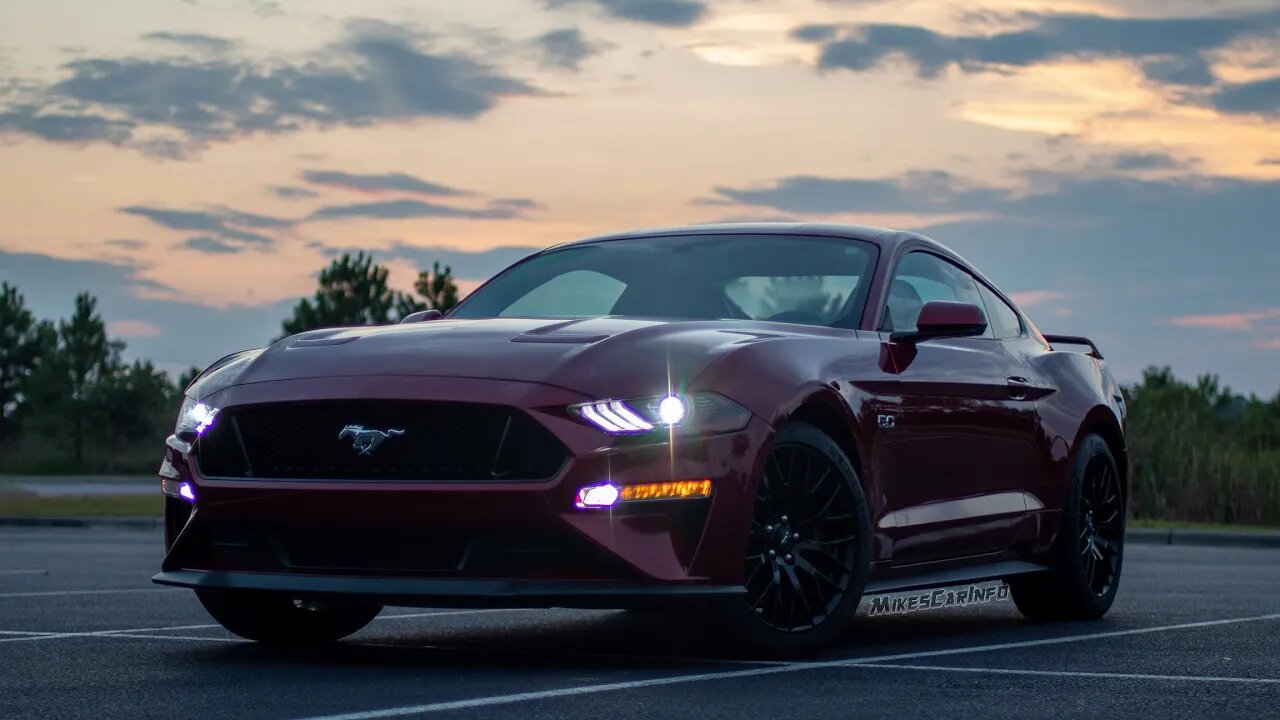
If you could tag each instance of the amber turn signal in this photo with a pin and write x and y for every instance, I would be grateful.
(665, 490)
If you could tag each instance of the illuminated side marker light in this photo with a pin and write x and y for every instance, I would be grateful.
(187, 492)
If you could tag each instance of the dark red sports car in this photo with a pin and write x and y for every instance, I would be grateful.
(760, 422)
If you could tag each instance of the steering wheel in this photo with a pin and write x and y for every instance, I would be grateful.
(799, 317)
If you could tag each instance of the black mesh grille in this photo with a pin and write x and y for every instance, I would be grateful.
(440, 442)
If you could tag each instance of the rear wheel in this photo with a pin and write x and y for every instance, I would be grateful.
(275, 618)
(808, 548)
(1089, 550)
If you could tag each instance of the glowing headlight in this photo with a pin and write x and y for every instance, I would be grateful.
(194, 418)
(697, 412)
(671, 410)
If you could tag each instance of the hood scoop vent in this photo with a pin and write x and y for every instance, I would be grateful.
(559, 338)
(321, 342)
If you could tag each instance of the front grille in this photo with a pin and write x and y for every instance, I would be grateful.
(439, 442)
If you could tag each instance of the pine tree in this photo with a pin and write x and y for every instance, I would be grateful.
(353, 291)
(19, 350)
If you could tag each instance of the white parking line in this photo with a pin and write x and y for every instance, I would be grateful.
(774, 670)
(51, 593)
(1071, 673)
(126, 631)
(200, 638)
(101, 633)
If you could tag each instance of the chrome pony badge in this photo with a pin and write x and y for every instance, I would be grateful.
(366, 441)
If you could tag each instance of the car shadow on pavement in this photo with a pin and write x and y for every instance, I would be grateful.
(617, 639)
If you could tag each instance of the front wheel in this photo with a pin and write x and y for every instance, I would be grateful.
(274, 618)
(1086, 557)
(808, 549)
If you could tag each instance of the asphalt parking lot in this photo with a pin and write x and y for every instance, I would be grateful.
(1195, 633)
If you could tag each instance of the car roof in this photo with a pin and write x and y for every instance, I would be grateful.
(888, 239)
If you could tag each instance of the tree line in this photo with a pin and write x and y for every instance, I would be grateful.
(70, 403)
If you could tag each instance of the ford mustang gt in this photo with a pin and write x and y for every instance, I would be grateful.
(761, 424)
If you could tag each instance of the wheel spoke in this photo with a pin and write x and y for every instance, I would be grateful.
(837, 541)
(1101, 522)
(835, 492)
(798, 570)
(799, 591)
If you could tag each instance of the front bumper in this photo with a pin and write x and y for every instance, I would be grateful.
(483, 543)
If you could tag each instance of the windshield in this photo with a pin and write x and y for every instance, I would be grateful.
(782, 278)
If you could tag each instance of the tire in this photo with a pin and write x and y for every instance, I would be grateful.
(808, 550)
(274, 618)
(1087, 555)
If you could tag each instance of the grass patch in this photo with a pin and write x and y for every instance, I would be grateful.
(97, 505)
(1184, 525)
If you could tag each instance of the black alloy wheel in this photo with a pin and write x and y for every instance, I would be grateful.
(1101, 523)
(1083, 573)
(804, 540)
(808, 548)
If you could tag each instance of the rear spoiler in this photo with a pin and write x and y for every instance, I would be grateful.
(1075, 340)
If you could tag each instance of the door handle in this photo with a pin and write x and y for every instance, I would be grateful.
(1018, 387)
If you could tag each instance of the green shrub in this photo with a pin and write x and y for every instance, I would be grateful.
(1201, 453)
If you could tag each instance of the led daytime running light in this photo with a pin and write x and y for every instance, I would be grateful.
(614, 416)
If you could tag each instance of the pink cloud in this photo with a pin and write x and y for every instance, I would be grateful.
(1272, 344)
(1228, 321)
(1028, 298)
(133, 329)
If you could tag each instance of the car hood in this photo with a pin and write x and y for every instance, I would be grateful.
(608, 355)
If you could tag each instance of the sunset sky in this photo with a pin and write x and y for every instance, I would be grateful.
(1115, 165)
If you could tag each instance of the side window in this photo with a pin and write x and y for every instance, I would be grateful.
(578, 293)
(921, 278)
(1004, 321)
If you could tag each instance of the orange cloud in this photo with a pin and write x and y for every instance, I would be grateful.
(1028, 298)
(133, 329)
(1228, 321)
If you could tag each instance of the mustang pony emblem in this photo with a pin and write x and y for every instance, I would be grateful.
(366, 441)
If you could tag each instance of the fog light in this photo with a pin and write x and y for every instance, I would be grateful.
(608, 494)
(597, 496)
(666, 490)
(187, 492)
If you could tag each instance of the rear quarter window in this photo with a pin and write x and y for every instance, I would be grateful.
(1003, 319)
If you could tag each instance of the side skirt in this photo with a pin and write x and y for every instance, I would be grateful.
(953, 576)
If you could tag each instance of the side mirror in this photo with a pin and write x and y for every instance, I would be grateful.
(421, 316)
(942, 319)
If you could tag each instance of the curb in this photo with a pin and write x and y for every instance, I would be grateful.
(1218, 538)
(1137, 536)
(133, 522)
